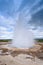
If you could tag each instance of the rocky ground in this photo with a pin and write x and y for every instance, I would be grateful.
(17, 56)
(19, 60)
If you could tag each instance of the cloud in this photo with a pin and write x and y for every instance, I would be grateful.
(38, 9)
(30, 12)
(6, 27)
(38, 33)
(5, 34)
(8, 22)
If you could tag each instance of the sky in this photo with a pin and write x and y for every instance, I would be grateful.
(29, 11)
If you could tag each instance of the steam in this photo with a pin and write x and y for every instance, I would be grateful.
(23, 38)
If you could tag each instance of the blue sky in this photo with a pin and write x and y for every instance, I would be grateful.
(11, 10)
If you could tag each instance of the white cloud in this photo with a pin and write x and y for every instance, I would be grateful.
(7, 22)
(5, 34)
(36, 30)
(6, 31)
(10, 22)
(37, 33)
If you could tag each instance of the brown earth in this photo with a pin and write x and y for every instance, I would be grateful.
(18, 56)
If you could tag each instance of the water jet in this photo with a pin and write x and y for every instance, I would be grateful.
(23, 37)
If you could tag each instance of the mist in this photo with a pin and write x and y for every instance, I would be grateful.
(23, 37)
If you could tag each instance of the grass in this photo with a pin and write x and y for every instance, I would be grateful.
(39, 40)
(5, 40)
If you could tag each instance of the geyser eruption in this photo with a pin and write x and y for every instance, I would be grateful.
(23, 38)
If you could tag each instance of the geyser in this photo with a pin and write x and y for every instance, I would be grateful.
(23, 37)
